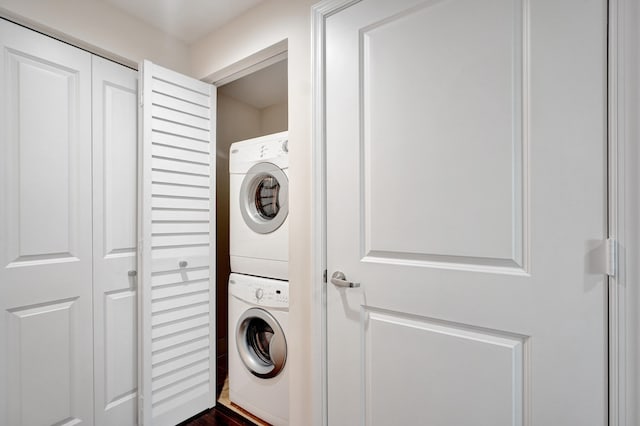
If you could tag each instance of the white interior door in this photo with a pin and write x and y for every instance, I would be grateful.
(115, 148)
(466, 193)
(46, 356)
(176, 246)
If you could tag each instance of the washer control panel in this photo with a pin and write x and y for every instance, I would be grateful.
(260, 291)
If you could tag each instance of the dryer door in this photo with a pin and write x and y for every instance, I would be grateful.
(264, 198)
(261, 343)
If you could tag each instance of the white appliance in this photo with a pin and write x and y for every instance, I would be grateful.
(258, 373)
(259, 206)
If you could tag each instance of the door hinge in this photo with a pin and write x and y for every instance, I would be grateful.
(141, 91)
(612, 257)
(324, 276)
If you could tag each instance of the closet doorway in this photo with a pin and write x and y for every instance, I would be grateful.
(250, 103)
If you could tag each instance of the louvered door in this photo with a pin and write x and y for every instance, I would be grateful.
(177, 246)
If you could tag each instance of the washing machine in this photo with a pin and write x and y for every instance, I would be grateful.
(258, 373)
(259, 206)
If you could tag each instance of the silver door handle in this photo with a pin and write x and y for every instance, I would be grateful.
(132, 273)
(338, 279)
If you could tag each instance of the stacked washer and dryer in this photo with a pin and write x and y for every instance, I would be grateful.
(258, 286)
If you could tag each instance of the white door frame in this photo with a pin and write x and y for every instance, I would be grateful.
(624, 196)
(624, 188)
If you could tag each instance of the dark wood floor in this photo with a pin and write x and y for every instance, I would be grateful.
(218, 416)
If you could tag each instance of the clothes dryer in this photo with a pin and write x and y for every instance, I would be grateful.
(258, 320)
(259, 206)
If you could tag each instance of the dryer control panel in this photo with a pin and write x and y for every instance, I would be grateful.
(260, 291)
(264, 150)
(271, 148)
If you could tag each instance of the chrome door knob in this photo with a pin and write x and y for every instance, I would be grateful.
(340, 280)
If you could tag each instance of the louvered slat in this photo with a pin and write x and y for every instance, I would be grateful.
(176, 215)
(179, 338)
(179, 153)
(180, 93)
(164, 202)
(179, 166)
(177, 141)
(181, 362)
(179, 276)
(180, 190)
(180, 130)
(161, 176)
(180, 227)
(180, 105)
(161, 253)
(176, 116)
(179, 351)
(197, 368)
(174, 322)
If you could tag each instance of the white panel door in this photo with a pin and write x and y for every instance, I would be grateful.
(466, 193)
(115, 134)
(176, 246)
(46, 356)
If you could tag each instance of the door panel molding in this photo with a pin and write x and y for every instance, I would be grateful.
(42, 225)
(501, 233)
(470, 355)
(32, 353)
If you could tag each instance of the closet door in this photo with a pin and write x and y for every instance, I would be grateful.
(115, 133)
(176, 246)
(46, 346)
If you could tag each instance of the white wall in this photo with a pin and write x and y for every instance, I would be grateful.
(274, 118)
(268, 23)
(236, 121)
(101, 28)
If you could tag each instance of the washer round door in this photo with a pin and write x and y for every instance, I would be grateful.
(261, 343)
(264, 198)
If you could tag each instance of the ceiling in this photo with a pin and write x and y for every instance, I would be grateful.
(190, 20)
(186, 20)
(262, 88)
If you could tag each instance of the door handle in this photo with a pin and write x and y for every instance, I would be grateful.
(339, 280)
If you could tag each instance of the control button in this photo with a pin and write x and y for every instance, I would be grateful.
(285, 146)
(259, 293)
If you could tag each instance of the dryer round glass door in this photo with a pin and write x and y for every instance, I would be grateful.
(264, 198)
(261, 343)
